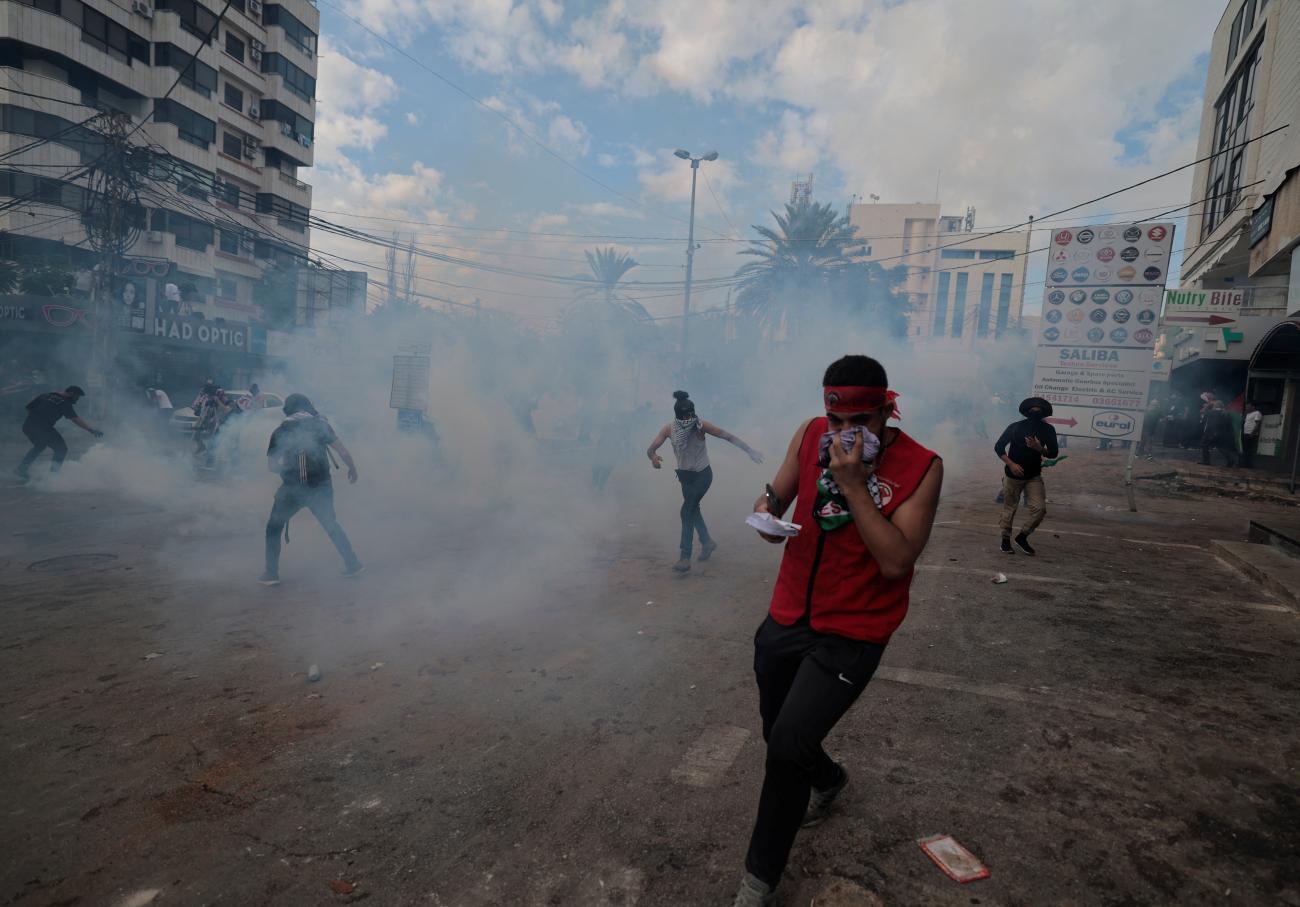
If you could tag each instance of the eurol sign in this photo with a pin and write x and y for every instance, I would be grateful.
(200, 332)
(1113, 424)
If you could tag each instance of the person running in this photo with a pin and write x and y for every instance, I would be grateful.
(42, 412)
(210, 409)
(1218, 434)
(1022, 447)
(299, 453)
(842, 590)
(687, 431)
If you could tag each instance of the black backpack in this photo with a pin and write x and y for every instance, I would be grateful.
(305, 458)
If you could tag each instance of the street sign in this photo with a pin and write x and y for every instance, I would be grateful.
(410, 390)
(1098, 329)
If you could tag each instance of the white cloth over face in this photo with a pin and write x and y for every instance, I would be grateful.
(688, 445)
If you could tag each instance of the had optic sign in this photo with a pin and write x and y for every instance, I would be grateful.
(200, 332)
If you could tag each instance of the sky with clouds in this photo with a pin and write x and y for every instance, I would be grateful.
(532, 130)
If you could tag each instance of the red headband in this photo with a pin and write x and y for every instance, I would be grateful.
(851, 400)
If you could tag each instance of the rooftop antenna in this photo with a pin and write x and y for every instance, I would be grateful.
(801, 191)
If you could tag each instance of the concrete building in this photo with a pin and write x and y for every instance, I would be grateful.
(1243, 230)
(963, 287)
(226, 103)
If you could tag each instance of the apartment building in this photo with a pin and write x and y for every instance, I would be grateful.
(963, 287)
(225, 101)
(1243, 232)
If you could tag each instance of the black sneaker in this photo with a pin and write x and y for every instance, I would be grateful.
(683, 565)
(1006, 546)
(269, 579)
(707, 549)
(819, 804)
(1023, 541)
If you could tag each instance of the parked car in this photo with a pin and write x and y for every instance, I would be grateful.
(184, 417)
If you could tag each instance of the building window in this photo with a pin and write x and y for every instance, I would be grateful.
(997, 254)
(227, 288)
(232, 145)
(115, 40)
(1004, 304)
(298, 34)
(296, 125)
(941, 304)
(295, 79)
(190, 232)
(234, 97)
(986, 306)
(957, 253)
(196, 18)
(49, 6)
(228, 242)
(1231, 131)
(195, 129)
(959, 305)
(234, 46)
(1234, 39)
(196, 76)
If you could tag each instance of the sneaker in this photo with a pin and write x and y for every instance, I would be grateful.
(1006, 546)
(754, 892)
(1023, 541)
(355, 571)
(707, 549)
(819, 804)
(269, 579)
(683, 566)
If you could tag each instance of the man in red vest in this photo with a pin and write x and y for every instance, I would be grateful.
(866, 513)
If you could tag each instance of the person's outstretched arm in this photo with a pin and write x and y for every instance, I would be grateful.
(653, 450)
(85, 426)
(786, 482)
(711, 429)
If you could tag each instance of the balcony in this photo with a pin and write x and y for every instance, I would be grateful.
(294, 146)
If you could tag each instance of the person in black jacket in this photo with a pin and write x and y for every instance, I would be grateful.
(299, 454)
(1022, 447)
(42, 412)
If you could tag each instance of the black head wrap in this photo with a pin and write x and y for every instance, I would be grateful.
(1031, 403)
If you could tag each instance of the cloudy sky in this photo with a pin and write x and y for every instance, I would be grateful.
(528, 131)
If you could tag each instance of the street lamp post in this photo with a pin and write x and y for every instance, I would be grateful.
(690, 246)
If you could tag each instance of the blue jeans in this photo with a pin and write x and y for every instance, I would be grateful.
(695, 485)
(319, 500)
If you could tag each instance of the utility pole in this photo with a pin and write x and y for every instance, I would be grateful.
(690, 248)
(112, 207)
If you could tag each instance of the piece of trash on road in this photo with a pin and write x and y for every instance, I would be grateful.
(376, 666)
(958, 863)
(152, 655)
(340, 886)
(313, 674)
(999, 578)
(649, 603)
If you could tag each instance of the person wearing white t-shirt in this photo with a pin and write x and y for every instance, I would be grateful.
(1250, 430)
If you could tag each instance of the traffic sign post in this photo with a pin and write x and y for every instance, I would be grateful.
(1096, 340)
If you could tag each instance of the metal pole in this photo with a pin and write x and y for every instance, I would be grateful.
(1128, 477)
(690, 267)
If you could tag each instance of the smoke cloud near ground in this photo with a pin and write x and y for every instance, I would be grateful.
(491, 517)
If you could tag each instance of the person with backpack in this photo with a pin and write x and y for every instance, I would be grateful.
(300, 453)
(42, 412)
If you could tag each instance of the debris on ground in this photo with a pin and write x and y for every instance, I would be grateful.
(152, 655)
(341, 886)
(376, 666)
(313, 674)
(956, 861)
(999, 578)
(140, 898)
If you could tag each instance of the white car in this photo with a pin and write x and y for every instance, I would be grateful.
(183, 418)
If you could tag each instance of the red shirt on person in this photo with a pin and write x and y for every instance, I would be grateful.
(831, 576)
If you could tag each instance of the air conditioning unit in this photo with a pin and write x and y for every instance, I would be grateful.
(254, 55)
(255, 112)
(141, 8)
(304, 141)
(154, 236)
(255, 8)
(256, 45)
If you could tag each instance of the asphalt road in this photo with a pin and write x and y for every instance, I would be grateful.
(504, 721)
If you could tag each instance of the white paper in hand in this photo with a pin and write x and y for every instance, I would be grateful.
(770, 525)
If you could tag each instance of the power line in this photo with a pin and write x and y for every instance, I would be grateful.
(708, 185)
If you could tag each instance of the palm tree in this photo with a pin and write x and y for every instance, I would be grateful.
(608, 268)
(797, 263)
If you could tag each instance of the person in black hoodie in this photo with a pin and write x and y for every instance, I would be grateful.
(1022, 447)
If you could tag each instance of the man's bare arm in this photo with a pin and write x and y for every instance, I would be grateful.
(347, 459)
(896, 542)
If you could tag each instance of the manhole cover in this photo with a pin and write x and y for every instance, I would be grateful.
(71, 562)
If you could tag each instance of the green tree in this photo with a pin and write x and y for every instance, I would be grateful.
(604, 285)
(812, 263)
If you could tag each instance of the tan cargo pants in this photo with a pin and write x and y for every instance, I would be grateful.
(1037, 495)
